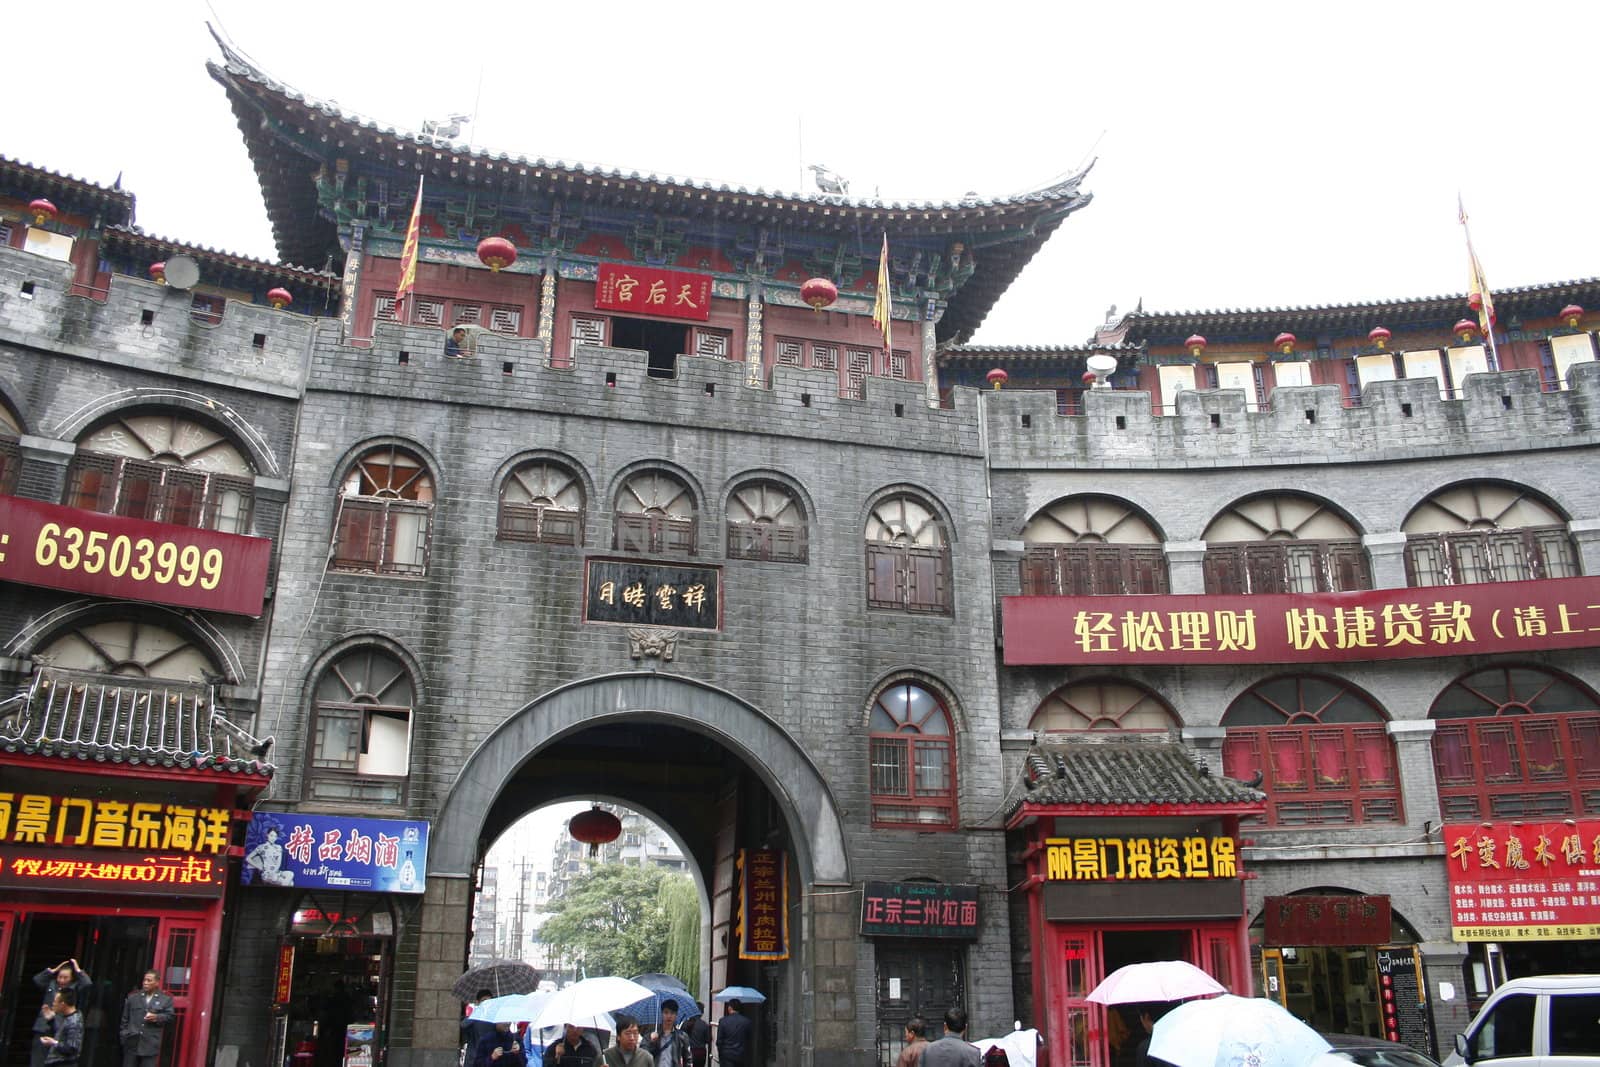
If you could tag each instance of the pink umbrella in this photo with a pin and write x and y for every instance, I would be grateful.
(1141, 983)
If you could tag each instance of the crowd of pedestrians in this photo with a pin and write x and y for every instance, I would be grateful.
(675, 1042)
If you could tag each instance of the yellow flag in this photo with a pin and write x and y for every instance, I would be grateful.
(882, 308)
(408, 257)
(1477, 284)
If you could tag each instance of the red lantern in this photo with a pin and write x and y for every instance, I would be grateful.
(42, 211)
(1088, 379)
(158, 272)
(497, 252)
(1379, 335)
(998, 377)
(1285, 342)
(1464, 329)
(1572, 313)
(819, 293)
(594, 828)
(1475, 301)
(279, 298)
(1195, 344)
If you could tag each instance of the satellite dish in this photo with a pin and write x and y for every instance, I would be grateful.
(182, 272)
(1102, 364)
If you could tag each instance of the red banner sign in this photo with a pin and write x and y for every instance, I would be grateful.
(283, 983)
(1457, 620)
(1525, 881)
(1308, 921)
(186, 875)
(675, 294)
(763, 905)
(132, 559)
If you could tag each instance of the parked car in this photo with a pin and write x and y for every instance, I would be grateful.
(1550, 1021)
(1376, 1052)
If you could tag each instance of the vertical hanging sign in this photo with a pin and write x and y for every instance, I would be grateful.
(763, 904)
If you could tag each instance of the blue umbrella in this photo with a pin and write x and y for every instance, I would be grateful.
(742, 993)
(514, 1008)
(662, 987)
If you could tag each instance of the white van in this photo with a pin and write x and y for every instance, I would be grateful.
(1552, 1021)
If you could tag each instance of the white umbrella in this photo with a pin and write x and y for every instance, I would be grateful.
(1021, 1047)
(590, 997)
(1142, 983)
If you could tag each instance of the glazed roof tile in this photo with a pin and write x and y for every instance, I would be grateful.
(1094, 773)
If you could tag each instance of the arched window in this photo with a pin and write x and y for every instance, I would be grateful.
(542, 501)
(1102, 704)
(1322, 748)
(1486, 532)
(361, 729)
(10, 451)
(908, 557)
(766, 521)
(1283, 543)
(912, 759)
(1515, 742)
(1091, 545)
(129, 648)
(385, 515)
(655, 512)
(165, 468)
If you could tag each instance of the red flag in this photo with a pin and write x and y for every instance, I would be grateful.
(881, 307)
(408, 257)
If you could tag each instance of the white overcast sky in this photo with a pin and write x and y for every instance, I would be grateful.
(1250, 155)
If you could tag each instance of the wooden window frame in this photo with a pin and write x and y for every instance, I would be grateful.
(100, 481)
(378, 558)
(1266, 567)
(1298, 761)
(901, 754)
(1472, 556)
(910, 578)
(10, 465)
(1094, 569)
(641, 531)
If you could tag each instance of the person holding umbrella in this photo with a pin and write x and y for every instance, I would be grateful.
(733, 1036)
(669, 1046)
(573, 1050)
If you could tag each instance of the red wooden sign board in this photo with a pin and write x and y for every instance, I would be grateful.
(131, 559)
(673, 294)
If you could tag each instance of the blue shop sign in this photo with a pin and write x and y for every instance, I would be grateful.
(335, 852)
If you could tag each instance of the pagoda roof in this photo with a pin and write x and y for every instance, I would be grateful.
(69, 193)
(1005, 233)
(1092, 774)
(1529, 301)
(135, 241)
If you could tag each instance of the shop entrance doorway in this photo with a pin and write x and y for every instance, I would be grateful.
(115, 950)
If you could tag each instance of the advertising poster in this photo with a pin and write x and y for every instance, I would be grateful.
(335, 852)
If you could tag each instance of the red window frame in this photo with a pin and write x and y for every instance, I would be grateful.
(1343, 774)
(1521, 757)
(1327, 761)
(895, 763)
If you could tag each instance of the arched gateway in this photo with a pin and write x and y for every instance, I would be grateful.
(493, 788)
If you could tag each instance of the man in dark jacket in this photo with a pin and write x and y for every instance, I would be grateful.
(145, 1016)
(733, 1036)
(953, 1049)
(669, 1046)
(572, 1050)
(64, 1046)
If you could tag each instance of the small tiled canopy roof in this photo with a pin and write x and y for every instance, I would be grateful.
(1112, 777)
(109, 204)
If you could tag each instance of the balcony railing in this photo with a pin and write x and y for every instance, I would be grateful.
(131, 720)
(1286, 567)
(1518, 767)
(1474, 556)
(1094, 570)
